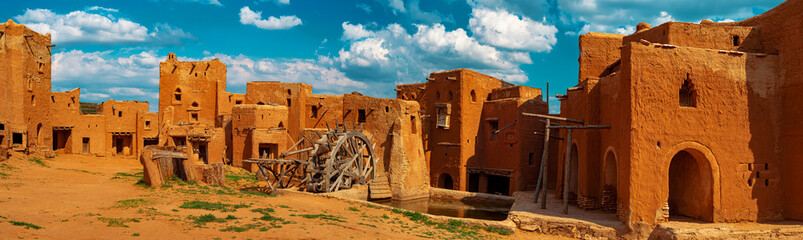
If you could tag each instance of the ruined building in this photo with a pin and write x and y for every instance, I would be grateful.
(704, 120)
(196, 112)
(33, 119)
(475, 137)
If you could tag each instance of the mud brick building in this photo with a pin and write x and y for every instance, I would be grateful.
(704, 120)
(196, 112)
(475, 137)
(28, 119)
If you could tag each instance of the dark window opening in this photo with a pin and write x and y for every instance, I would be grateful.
(736, 41)
(687, 94)
(758, 174)
(268, 151)
(16, 138)
(289, 102)
(201, 150)
(2, 127)
(179, 141)
(289, 92)
(451, 96)
(177, 95)
(445, 181)
(33, 100)
(412, 125)
(314, 112)
(766, 165)
(498, 185)
(437, 95)
(119, 114)
(53, 99)
(766, 182)
(361, 115)
(194, 116)
(494, 127)
(85, 144)
(194, 104)
(473, 96)
(473, 182)
(147, 124)
(149, 142)
(387, 109)
(281, 125)
(238, 102)
(61, 138)
(531, 159)
(260, 103)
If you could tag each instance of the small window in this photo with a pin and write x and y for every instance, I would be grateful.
(53, 99)
(238, 102)
(194, 104)
(289, 102)
(451, 96)
(493, 125)
(412, 125)
(531, 159)
(119, 113)
(443, 110)
(736, 41)
(2, 127)
(147, 124)
(177, 95)
(387, 109)
(437, 95)
(313, 112)
(289, 93)
(260, 103)
(33, 100)
(687, 94)
(473, 96)
(361, 116)
(194, 117)
(16, 138)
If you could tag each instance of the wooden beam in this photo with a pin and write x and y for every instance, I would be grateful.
(541, 185)
(448, 144)
(553, 117)
(582, 127)
(575, 88)
(566, 171)
(553, 137)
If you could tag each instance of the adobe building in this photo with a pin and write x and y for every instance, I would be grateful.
(217, 126)
(24, 88)
(26, 117)
(475, 138)
(704, 121)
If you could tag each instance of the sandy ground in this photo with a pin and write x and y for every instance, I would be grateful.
(83, 197)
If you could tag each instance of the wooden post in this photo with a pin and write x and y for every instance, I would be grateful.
(541, 169)
(545, 165)
(566, 171)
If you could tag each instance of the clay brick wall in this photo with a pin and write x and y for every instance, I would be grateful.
(193, 89)
(598, 51)
(25, 60)
(292, 95)
(325, 109)
(251, 126)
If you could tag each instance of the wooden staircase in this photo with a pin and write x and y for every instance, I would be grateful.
(379, 188)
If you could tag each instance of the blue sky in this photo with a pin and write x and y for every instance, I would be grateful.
(112, 49)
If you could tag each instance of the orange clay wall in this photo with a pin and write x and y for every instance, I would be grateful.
(123, 117)
(291, 95)
(25, 63)
(90, 127)
(597, 52)
(199, 85)
(731, 127)
(701, 36)
(328, 108)
(394, 126)
(517, 143)
(253, 122)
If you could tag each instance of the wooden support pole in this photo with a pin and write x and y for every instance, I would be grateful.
(566, 171)
(545, 165)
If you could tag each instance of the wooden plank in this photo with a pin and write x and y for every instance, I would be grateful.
(552, 117)
(566, 171)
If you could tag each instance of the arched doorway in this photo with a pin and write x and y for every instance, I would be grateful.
(573, 175)
(39, 135)
(609, 193)
(445, 181)
(690, 186)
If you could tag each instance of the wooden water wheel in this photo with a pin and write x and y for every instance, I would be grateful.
(337, 160)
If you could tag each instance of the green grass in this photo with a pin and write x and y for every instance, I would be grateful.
(323, 216)
(135, 235)
(206, 218)
(117, 222)
(230, 217)
(354, 209)
(218, 206)
(38, 161)
(460, 228)
(3, 175)
(128, 176)
(130, 203)
(78, 170)
(283, 206)
(26, 225)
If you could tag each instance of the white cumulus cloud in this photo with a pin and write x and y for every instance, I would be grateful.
(249, 17)
(80, 27)
(504, 29)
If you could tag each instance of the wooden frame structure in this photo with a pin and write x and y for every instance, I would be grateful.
(540, 189)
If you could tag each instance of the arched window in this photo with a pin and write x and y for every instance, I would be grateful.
(177, 95)
(473, 96)
(687, 94)
(194, 104)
